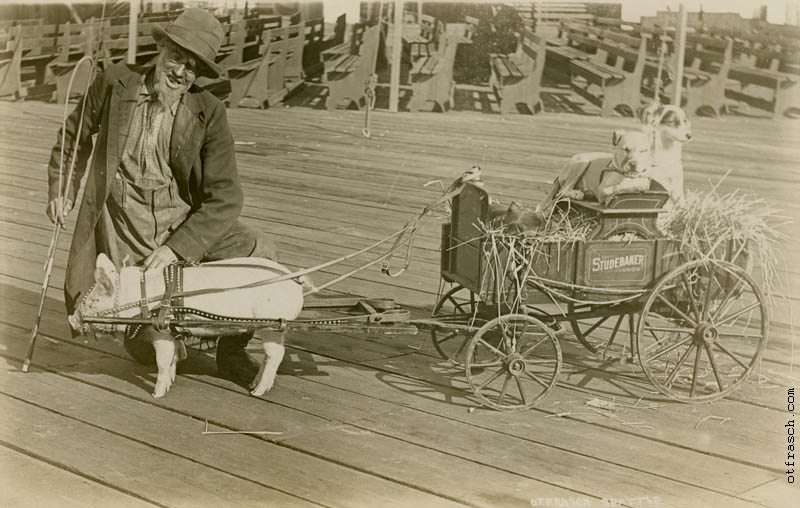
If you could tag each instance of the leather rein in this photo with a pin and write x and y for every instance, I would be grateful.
(173, 274)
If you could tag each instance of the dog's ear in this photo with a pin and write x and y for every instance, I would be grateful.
(650, 112)
(514, 211)
(616, 136)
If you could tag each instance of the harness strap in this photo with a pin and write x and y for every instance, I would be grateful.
(373, 317)
(143, 301)
(611, 168)
(411, 227)
(173, 278)
(174, 294)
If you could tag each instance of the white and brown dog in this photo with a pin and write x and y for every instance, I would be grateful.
(668, 129)
(603, 175)
(231, 293)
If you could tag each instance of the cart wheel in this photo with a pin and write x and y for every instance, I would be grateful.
(702, 331)
(611, 335)
(457, 306)
(512, 362)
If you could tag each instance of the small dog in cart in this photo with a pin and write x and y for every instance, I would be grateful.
(602, 175)
(668, 129)
(654, 153)
(589, 175)
(222, 288)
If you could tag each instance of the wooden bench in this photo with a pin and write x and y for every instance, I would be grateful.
(232, 49)
(7, 26)
(10, 60)
(516, 78)
(39, 47)
(565, 48)
(547, 17)
(313, 46)
(606, 59)
(338, 35)
(241, 50)
(425, 42)
(162, 18)
(346, 77)
(27, 70)
(432, 77)
(784, 86)
(707, 75)
(615, 24)
(341, 55)
(242, 40)
(254, 32)
(114, 45)
(75, 42)
(468, 32)
(266, 80)
(707, 62)
(320, 46)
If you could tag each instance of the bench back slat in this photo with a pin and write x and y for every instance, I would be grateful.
(626, 48)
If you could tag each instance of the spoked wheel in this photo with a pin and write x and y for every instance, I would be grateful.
(702, 331)
(512, 362)
(611, 334)
(457, 306)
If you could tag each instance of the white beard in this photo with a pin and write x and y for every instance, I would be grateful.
(165, 94)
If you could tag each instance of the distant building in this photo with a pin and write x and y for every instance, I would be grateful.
(792, 12)
(711, 20)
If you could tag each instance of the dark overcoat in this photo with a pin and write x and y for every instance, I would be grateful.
(201, 157)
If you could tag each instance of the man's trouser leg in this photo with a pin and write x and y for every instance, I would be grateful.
(233, 361)
(140, 349)
(140, 346)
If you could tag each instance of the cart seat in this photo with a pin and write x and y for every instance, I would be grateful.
(626, 213)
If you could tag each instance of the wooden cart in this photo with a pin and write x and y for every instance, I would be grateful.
(697, 326)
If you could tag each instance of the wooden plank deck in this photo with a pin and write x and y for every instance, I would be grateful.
(377, 421)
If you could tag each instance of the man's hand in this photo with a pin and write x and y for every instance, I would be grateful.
(58, 209)
(159, 258)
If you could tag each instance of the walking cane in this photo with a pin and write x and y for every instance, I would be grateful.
(51, 253)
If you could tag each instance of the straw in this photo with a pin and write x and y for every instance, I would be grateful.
(732, 226)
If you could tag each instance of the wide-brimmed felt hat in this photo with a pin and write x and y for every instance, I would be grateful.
(199, 32)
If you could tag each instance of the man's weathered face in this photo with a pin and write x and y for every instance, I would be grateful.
(176, 70)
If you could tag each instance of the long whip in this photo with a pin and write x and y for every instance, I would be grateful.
(62, 189)
(62, 192)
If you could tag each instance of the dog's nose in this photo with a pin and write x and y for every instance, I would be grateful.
(688, 136)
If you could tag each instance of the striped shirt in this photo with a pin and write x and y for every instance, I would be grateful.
(145, 159)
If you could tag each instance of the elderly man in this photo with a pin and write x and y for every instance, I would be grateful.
(163, 185)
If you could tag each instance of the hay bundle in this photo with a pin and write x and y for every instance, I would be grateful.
(512, 256)
(714, 226)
